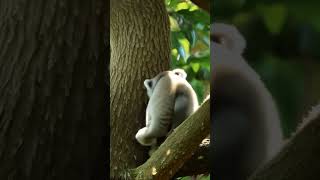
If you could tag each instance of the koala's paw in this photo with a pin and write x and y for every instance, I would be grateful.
(142, 138)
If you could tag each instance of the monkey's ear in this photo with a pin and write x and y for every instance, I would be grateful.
(148, 84)
(180, 72)
(229, 36)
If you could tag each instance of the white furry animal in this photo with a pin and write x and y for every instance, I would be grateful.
(246, 125)
(172, 100)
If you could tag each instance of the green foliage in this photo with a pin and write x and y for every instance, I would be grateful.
(190, 42)
(283, 38)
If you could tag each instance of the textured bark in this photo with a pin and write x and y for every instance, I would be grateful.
(171, 156)
(139, 50)
(53, 114)
(199, 163)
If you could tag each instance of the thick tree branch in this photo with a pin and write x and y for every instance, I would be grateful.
(178, 147)
(198, 163)
(300, 158)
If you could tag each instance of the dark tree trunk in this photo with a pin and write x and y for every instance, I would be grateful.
(140, 49)
(53, 109)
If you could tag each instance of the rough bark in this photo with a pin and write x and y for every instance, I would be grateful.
(171, 156)
(299, 159)
(139, 50)
(53, 114)
(199, 163)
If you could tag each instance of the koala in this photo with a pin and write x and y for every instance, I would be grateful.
(246, 130)
(171, 101)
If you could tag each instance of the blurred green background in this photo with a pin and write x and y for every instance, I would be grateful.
(283, 47)
(190, 42)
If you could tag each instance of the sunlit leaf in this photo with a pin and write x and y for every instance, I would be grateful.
(185, 44)
(172, 3)
(195, 66)
(168, 2)
(174, 52)
(183, 5)
(193, 8)
(173, 24)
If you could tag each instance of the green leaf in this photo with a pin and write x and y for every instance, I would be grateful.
(195, 67)
(274, 16)
(196, 16)
(172, 3)
(167, 2)
(183, 5)
(192, 37)
(185, 45)
(182, 53)
(174, 26)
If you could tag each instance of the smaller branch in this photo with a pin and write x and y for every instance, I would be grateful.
(203, 4)
(178, 147)
(299, 159)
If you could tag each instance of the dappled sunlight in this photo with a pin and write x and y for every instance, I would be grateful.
(168, 152)
(200, 157)
(154, 171)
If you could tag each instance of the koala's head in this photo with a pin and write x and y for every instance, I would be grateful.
(150, 84)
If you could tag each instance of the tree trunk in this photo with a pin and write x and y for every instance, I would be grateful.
(53, 114)
(139, 50)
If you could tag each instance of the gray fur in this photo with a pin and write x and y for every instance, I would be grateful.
(172, 100)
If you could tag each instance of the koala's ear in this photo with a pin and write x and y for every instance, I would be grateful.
(148, 84)
(180, 72)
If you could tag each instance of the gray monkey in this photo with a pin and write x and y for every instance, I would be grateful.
(246, 130)
(171, 101)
